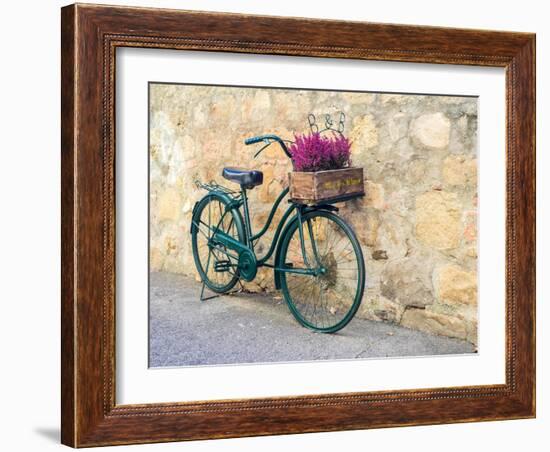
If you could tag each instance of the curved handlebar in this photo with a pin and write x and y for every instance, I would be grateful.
(253, 140)
(268, 139)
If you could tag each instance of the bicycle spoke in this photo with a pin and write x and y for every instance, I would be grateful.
(323, 302)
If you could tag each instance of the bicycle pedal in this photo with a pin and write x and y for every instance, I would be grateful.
(222, 266)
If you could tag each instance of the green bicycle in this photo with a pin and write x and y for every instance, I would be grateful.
(318, 263)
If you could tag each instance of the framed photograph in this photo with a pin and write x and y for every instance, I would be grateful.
(281, 225)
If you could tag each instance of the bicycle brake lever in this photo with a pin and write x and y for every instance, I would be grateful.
(262, 148)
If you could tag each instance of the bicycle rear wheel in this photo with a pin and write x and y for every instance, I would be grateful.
(216, 266)
(325, 302)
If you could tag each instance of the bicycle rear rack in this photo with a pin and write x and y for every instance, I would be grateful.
(213, 186)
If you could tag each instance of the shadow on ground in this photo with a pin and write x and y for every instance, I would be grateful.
(251, 328)
(53, 434)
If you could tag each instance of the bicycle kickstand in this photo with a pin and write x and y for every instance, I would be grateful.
(203, 298)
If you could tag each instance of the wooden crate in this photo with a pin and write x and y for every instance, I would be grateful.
(326, 186)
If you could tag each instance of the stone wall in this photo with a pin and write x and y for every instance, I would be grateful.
(417, 224)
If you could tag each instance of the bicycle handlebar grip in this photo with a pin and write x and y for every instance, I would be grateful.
(253, 140)
(267, 139)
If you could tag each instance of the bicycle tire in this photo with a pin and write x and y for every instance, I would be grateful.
(217, 281)
(307, 295)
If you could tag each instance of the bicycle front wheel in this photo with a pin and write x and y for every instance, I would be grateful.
(328, 300)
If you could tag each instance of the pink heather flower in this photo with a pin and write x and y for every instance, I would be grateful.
(314, 152)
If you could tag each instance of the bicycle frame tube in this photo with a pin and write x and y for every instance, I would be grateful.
(251, 238)
(247, 225)
(271, 215)
(283, 221)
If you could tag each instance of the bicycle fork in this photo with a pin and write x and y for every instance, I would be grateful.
(317, 269)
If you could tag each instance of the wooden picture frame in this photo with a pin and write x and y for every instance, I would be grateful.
(90, 36)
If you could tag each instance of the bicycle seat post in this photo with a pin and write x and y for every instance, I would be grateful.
(247, 226)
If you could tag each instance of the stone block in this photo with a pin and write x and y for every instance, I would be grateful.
(366, 224)
(168, 205)
(406, 282)
(470, 226)
(222, 110)
(455, 285)
(398, 126)
(374, 195)
(434, 322)
(438, 219)
(432, 130)
(460, 170)
(364, 134)
(380, 308)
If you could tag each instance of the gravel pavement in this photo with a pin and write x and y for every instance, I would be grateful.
(251, 328)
